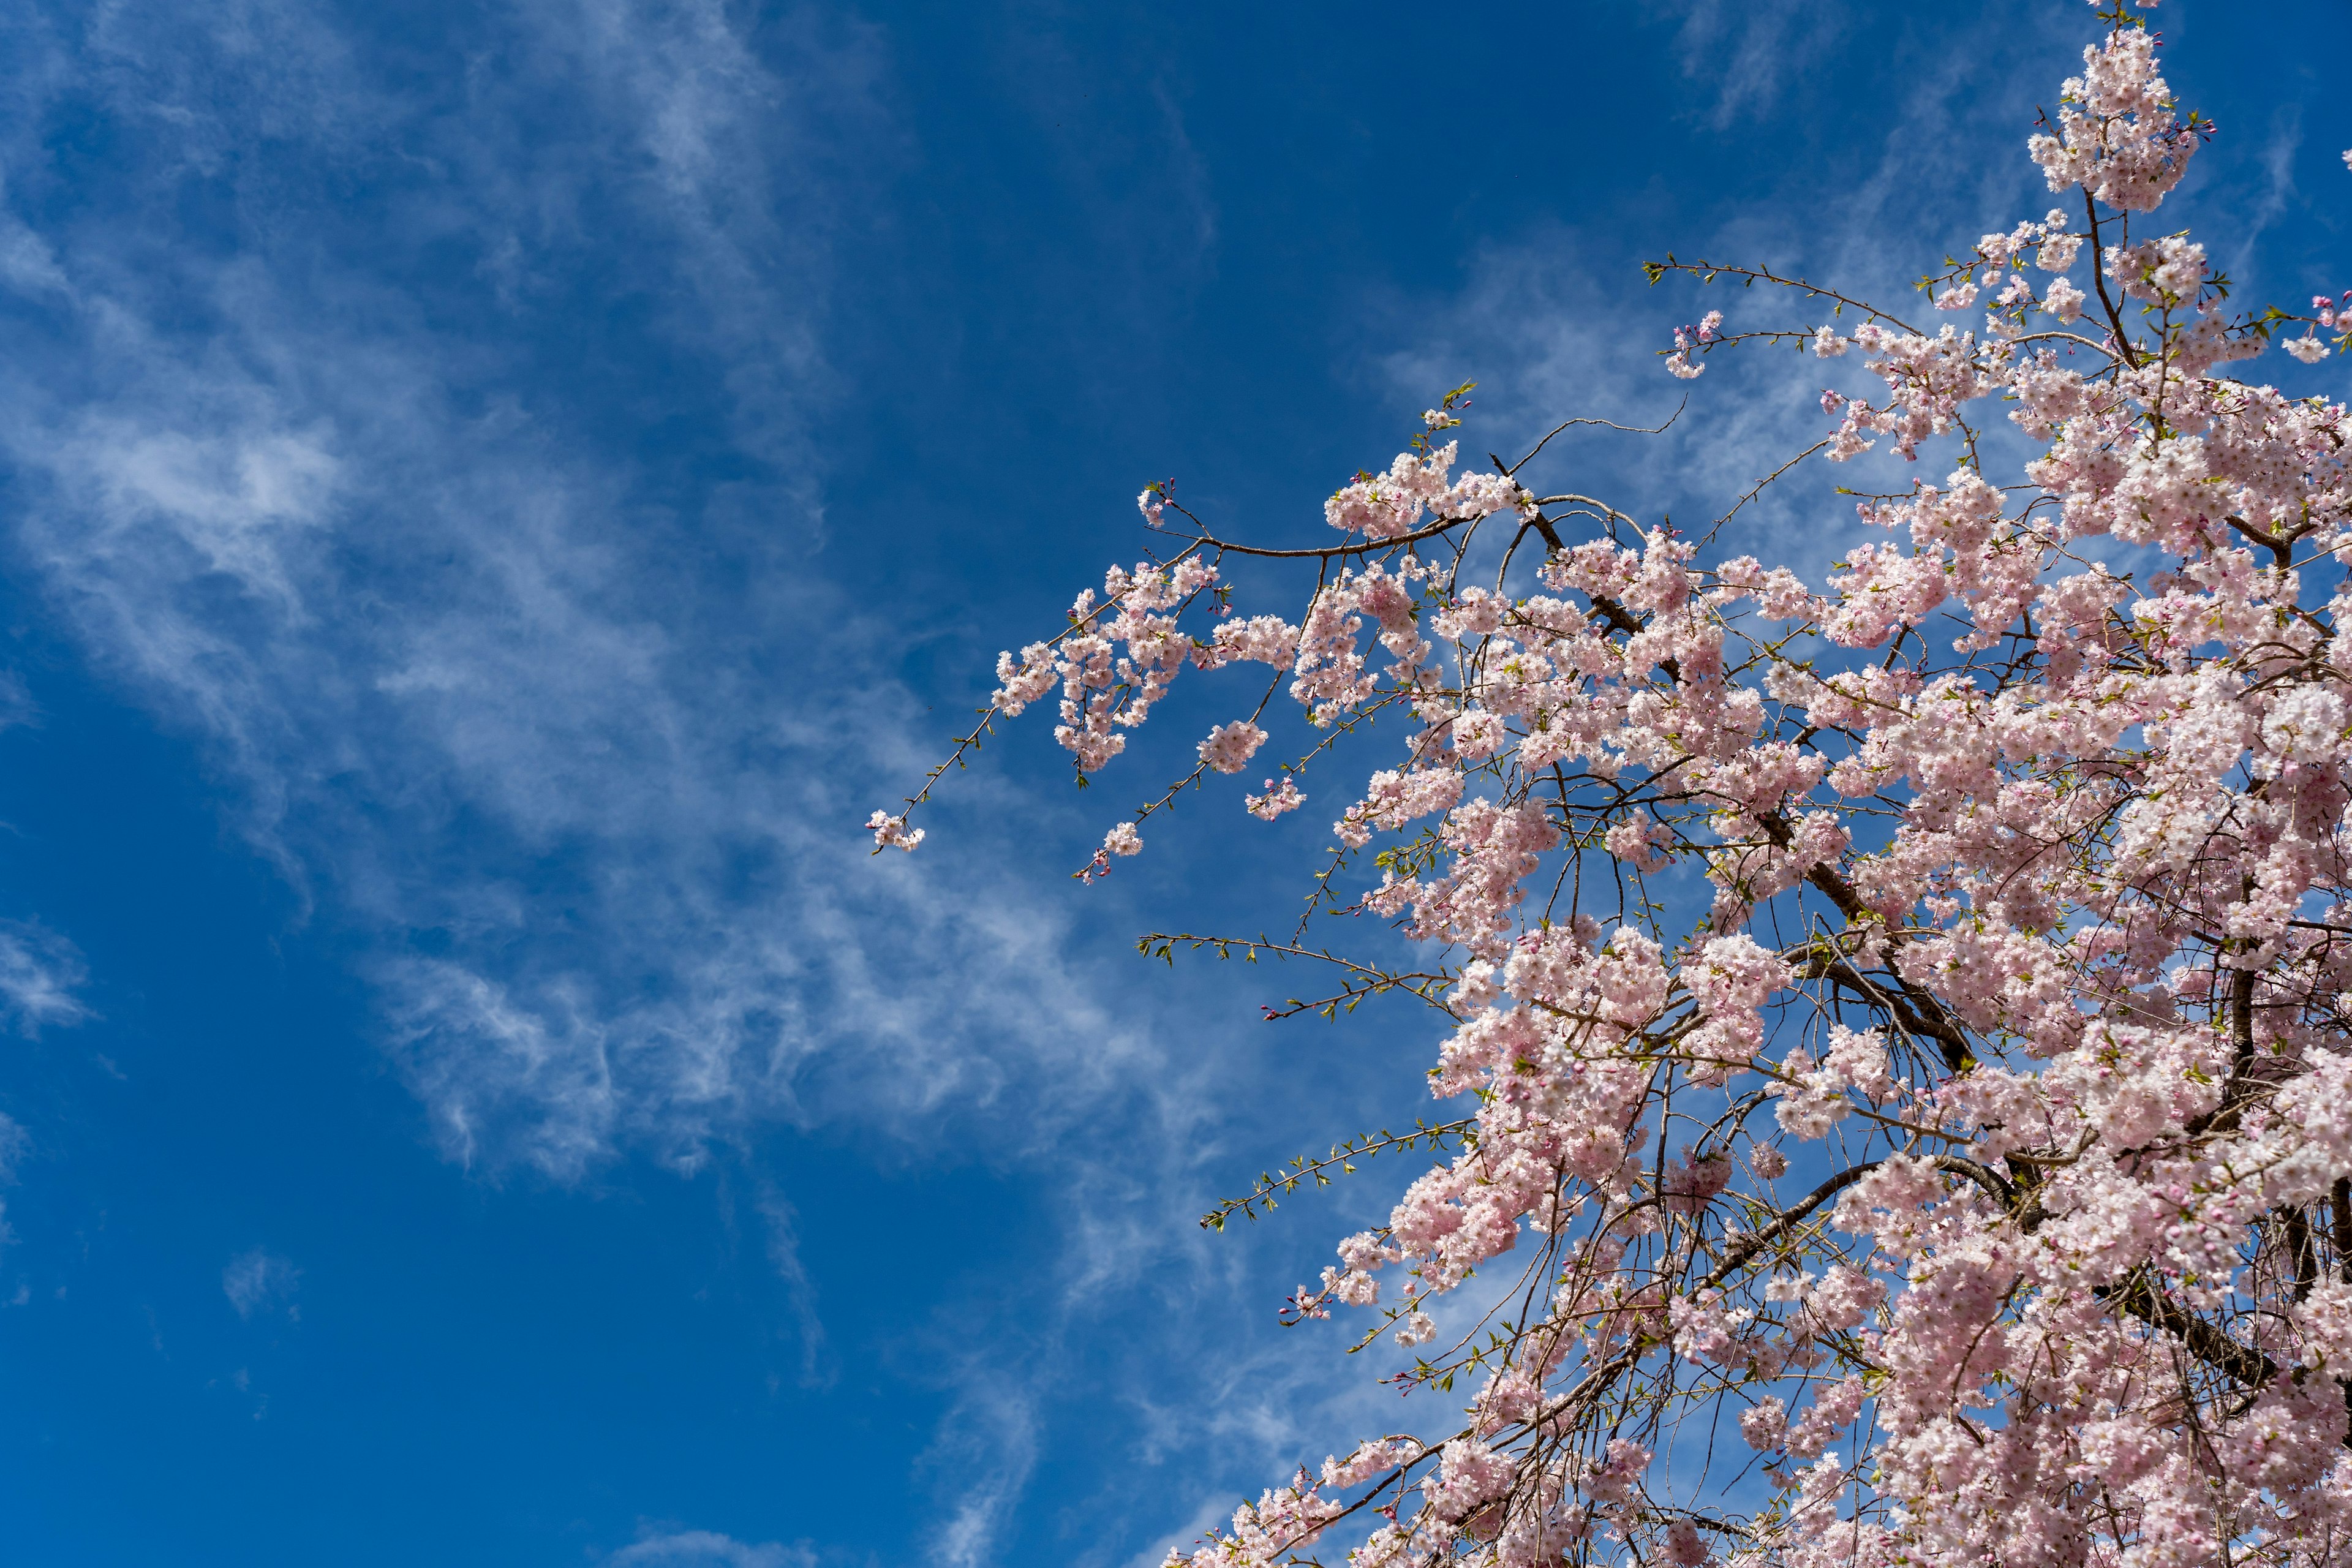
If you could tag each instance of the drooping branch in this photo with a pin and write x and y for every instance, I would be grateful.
(2144, 1299)
(1637, 1079)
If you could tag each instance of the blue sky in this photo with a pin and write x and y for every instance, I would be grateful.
(491, 496)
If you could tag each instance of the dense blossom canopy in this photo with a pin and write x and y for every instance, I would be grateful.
(1979, 1169)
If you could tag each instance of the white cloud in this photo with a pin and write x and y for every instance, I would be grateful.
(982, 1456)
(707, 1549)
(800, 1290)
(587, 771)
(260, 1281)
(1742, 55)
(581, 770)
(39, 973)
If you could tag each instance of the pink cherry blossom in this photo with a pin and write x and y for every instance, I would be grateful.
(1230, 747)
(1896, 1016)
(1277, 799)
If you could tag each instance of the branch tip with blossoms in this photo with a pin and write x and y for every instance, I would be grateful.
(1980, 1144)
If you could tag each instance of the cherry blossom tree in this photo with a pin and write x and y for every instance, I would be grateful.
(1971, 1181)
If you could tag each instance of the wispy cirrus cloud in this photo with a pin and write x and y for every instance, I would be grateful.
(983, 1456)
(707, 1549)
(584, 759)
(1743, 56)
(574, 741)
(41, 976)
(259, 1280)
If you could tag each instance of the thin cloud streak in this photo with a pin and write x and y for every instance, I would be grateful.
(40, 974)
(260, 1281)
(707, 1549)
(578, 762)
(389, 609)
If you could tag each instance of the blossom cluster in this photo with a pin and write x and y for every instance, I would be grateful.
(1982, 1152)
